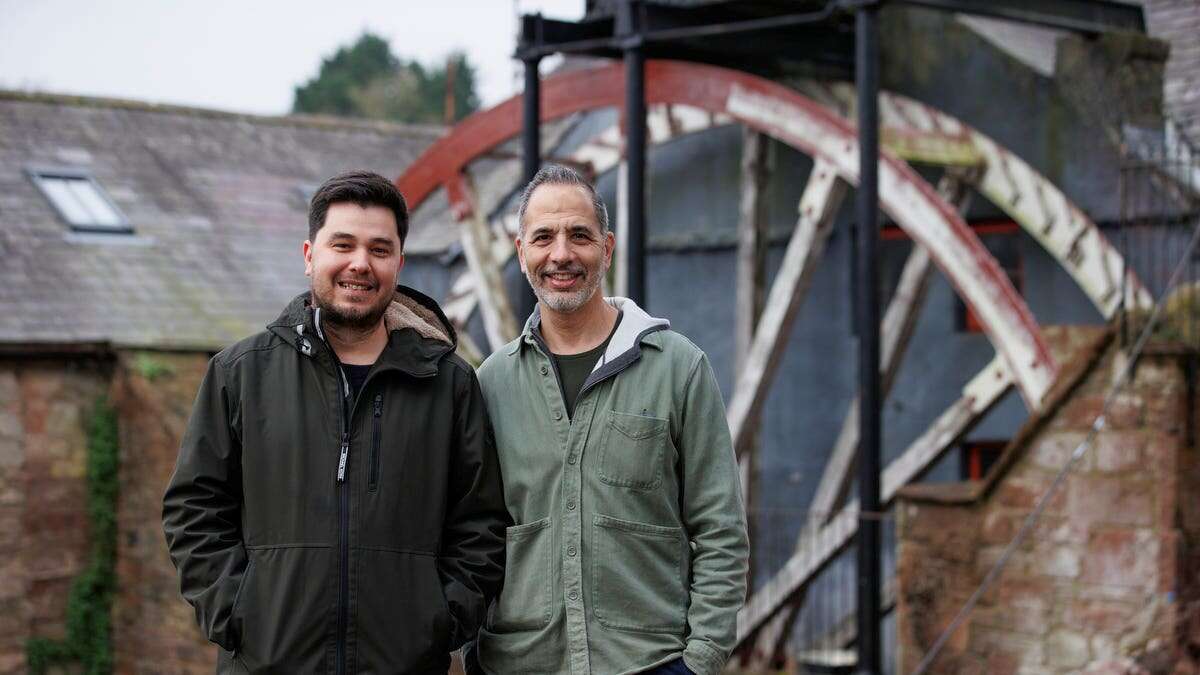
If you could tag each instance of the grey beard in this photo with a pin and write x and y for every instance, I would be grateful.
(562, 302)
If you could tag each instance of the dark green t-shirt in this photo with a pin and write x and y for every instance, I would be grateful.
(573, 369)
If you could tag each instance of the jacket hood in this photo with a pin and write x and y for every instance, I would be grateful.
(411, 316)
(624, 347)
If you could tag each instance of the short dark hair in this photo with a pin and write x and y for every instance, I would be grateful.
(365, 188)
(557, 174)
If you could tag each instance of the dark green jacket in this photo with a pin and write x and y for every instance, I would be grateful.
(312, 542)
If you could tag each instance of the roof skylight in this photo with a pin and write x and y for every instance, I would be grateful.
(81, 201)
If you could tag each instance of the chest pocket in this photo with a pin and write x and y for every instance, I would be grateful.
(631, 455)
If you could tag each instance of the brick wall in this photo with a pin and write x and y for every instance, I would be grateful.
(1107, 580)
(45, 407)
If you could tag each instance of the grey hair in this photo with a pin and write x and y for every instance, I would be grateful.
(557, 174)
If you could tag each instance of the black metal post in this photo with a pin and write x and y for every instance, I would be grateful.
(532, 36)
(531, 137)
(531, 140)
(867, 78)
(635, 149)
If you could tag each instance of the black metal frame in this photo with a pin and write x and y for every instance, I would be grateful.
(785, 33)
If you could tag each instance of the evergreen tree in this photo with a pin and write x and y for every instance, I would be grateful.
(367, 80)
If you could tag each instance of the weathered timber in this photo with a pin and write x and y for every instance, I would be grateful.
(478, 242)
(819, 203)
(751, 290)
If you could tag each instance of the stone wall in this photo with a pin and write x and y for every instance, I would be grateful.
(45, 407)
(1107, 580)
(154, 630)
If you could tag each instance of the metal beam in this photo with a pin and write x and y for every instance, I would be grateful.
(869, 643)
(1080, 16)
(628, 26)
(661, 25)
(531, 157)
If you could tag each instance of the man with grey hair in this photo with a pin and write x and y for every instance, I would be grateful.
(629, 551)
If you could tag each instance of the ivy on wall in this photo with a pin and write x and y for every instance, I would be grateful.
(89, 605)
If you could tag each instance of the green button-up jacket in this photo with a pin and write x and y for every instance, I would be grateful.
(629, 548)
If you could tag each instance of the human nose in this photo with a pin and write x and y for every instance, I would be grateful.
(359, 260)
(560, 250)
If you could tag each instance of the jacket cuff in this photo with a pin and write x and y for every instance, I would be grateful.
(703, 659)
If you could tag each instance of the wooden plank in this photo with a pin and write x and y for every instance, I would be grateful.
(931, 148)
(978, 397)
(752, 242)
(751, 292)
(818, 205)
(477, 243)
(621, 254)
(461, 301)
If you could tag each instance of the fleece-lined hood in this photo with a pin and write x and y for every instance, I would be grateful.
(418, 332)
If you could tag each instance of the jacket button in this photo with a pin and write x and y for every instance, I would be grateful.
(573, 595)
(571, 551)
(570, 459)
(557, 414)
(570, 504)
(545, 370)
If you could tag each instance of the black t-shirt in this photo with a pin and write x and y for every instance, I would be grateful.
(573, 369)
(357, 375)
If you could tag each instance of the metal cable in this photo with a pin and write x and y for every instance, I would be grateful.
(1079, 451)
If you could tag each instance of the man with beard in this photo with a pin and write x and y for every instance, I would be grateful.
(629, 551)
(336, 506)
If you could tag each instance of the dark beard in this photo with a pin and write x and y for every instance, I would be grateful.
(354, 321)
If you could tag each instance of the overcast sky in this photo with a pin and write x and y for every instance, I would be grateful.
(245, 56)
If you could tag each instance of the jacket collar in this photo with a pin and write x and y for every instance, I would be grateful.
(636, 328)
(419, 334)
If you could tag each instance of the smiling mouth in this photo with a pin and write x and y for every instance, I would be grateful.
(351, 286)
(561, 279)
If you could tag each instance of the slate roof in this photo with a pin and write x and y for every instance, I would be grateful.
(218, 206)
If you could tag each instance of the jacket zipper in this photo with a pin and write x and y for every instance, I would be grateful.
(373, 479)
(343, 617)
